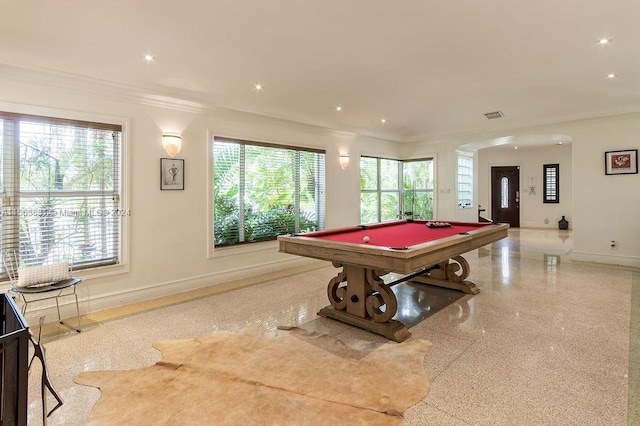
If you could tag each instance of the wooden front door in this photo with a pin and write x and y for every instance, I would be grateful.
(505, 195)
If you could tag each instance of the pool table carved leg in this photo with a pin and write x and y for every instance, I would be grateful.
(450, 274)
(337, 295)
(359, 302)
(383, 297)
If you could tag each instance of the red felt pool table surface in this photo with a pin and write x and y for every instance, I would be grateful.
(401, 246)
(398, 234)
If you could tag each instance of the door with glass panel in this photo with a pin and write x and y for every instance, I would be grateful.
(505, 195)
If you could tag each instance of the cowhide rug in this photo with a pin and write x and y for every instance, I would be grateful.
(291, 377)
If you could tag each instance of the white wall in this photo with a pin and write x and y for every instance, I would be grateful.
(533, 212)
(603, 208)
(167, 250)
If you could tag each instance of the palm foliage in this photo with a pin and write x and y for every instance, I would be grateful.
(262, 192)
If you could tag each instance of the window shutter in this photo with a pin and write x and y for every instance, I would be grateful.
(551, 190)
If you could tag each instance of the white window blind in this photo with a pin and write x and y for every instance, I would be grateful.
(60, 184)
(262, 191)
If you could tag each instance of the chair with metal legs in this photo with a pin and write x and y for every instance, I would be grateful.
(42, 282)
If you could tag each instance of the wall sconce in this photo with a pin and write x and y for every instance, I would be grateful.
(344, 161)
(172, 143)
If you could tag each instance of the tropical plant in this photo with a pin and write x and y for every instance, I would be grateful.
(271, 199)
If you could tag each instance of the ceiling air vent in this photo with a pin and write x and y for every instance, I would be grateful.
(492, 115)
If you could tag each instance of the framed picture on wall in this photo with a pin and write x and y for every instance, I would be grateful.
(171, 173)
(621, 162)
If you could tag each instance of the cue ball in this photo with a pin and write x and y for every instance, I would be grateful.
(366, 239)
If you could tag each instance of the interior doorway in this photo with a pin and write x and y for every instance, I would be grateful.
(505, 195)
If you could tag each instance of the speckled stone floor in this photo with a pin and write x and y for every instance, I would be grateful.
(546, 342)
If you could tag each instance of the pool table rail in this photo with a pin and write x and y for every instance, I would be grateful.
(400, 260)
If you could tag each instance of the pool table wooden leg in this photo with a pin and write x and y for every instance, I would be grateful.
(392, 329)
(359, 302)
(450, 274)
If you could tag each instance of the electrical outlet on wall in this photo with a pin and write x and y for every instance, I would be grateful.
(613, 245)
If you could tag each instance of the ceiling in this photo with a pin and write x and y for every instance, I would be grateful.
(431, 69)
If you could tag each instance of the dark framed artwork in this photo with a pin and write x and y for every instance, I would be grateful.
(171, 173)
(621, 162)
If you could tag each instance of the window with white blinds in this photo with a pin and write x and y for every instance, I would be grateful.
(263, 190)
(60, 183)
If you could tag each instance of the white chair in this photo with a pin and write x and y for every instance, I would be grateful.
(42, 282)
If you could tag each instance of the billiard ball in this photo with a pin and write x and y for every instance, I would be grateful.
(366, 239)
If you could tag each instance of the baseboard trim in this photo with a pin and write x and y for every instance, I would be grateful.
(540, 225)
(631, 261)
(229, 279)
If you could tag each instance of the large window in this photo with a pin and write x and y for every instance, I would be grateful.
(262, 191)
(392, 189)
(60, 183)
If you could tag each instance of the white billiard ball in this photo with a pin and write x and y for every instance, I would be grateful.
(366, 239)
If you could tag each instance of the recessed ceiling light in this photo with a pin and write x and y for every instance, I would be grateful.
(515, 147)
(604, 41)
(339, 108)
(611, 75)
(149, 57)
(560, 143)
(258, 87)
(383, 120)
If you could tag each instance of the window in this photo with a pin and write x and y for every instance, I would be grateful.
(465, 181)
(262, 191)
(379, 197)
(391, 188)
(551, 184)
(60, 189)
(504, 192)
(417, 188)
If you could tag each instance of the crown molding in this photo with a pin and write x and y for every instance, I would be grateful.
(158, 97)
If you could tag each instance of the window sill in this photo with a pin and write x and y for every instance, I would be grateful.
(102, 271)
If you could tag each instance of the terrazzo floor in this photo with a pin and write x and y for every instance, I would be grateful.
(546, 342)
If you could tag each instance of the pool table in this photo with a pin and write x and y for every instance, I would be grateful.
(422, 251)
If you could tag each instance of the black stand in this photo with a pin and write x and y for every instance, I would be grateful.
(480, 218)
(39, 352)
